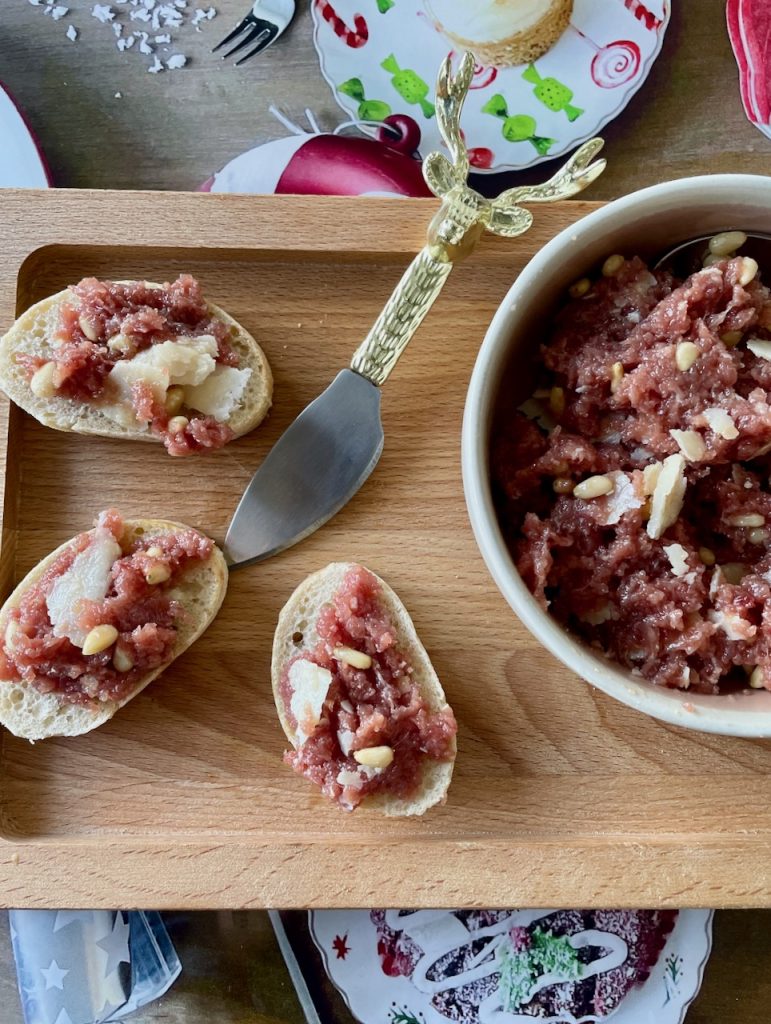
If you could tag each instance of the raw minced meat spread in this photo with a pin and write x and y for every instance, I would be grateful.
(107, 324)
(633, 487)
(134, 605)
(369, 701)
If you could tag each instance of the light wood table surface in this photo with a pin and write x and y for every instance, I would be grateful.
(171, 131)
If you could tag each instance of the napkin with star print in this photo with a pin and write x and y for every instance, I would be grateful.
(90, 966)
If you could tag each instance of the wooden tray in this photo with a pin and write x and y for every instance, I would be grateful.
(561, 796)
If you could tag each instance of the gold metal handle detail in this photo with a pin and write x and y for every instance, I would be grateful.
(462, 219)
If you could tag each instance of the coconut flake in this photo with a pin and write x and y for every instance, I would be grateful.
(668, 496)
(72, 33)
(759, 348)
(176, 61)
(678, 558)
(623, 498)
(690, 443)
(733, 625)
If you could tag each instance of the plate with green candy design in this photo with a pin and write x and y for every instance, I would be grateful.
(380, 57)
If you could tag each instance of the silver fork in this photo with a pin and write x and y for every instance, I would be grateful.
(264, 23)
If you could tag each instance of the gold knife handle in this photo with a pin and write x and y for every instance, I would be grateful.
(404, 312)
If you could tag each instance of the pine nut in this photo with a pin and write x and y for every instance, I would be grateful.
(99, 639)
(757, 536)
(707, 555)
(557, 401)
(733, 572)
(580, 288)
(42, 382)
(562, 485)
(686, 355)
(12, 630)
(88, 328)
(356, 659)
(177, 424)
(612, 265)
(119, 343)
(749, 270)
(727, 242)
(616, 376)
(711, 260)
(749, 519)
(731, 338)
(593, 487)
(175, 398)
(757, 678)
(374, 757)
(122, 660)
(158, 574)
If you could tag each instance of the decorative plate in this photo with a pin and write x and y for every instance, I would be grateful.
(385, 61)
(21, 162)
(515, 967)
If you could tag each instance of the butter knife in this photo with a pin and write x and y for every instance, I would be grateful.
(323, 458)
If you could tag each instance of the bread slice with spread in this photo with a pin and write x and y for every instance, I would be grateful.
(99, 618)
(358, 697)
(137, 360)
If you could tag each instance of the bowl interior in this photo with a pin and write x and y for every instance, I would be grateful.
(645, 224)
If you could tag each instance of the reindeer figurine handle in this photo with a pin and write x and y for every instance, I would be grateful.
(460, 222)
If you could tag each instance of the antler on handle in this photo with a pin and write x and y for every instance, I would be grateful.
(451, 91)
(572, 178)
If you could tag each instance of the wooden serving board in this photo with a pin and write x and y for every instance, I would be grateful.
(561, 796)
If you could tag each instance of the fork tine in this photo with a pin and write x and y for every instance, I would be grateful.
(244, 23)
(256, 31)
(262, 45)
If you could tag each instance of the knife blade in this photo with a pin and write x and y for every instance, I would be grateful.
(324, 457)
(316, 466)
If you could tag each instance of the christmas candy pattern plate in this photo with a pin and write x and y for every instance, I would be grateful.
(380, 57)
(21, 162)
(515, 966)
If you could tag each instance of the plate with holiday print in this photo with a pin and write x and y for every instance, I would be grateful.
(381, 57)
(515, 966)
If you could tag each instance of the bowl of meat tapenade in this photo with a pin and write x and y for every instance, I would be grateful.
(617, 453)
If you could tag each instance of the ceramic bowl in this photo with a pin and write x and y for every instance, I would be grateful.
(647, 224)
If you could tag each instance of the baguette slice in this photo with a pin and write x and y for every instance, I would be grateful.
(300, 614)
(32, 335)
(33, 715)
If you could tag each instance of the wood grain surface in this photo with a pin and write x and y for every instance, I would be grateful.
(560, 797)
(173, 130)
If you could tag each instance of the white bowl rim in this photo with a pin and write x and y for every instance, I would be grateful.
(706, 713)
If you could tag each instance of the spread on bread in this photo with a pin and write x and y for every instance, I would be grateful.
(359, 715)
(139, 360)
(101, 616)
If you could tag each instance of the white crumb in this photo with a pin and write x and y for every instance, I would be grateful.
(103, 13)
(118, 95)
(163, 19)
